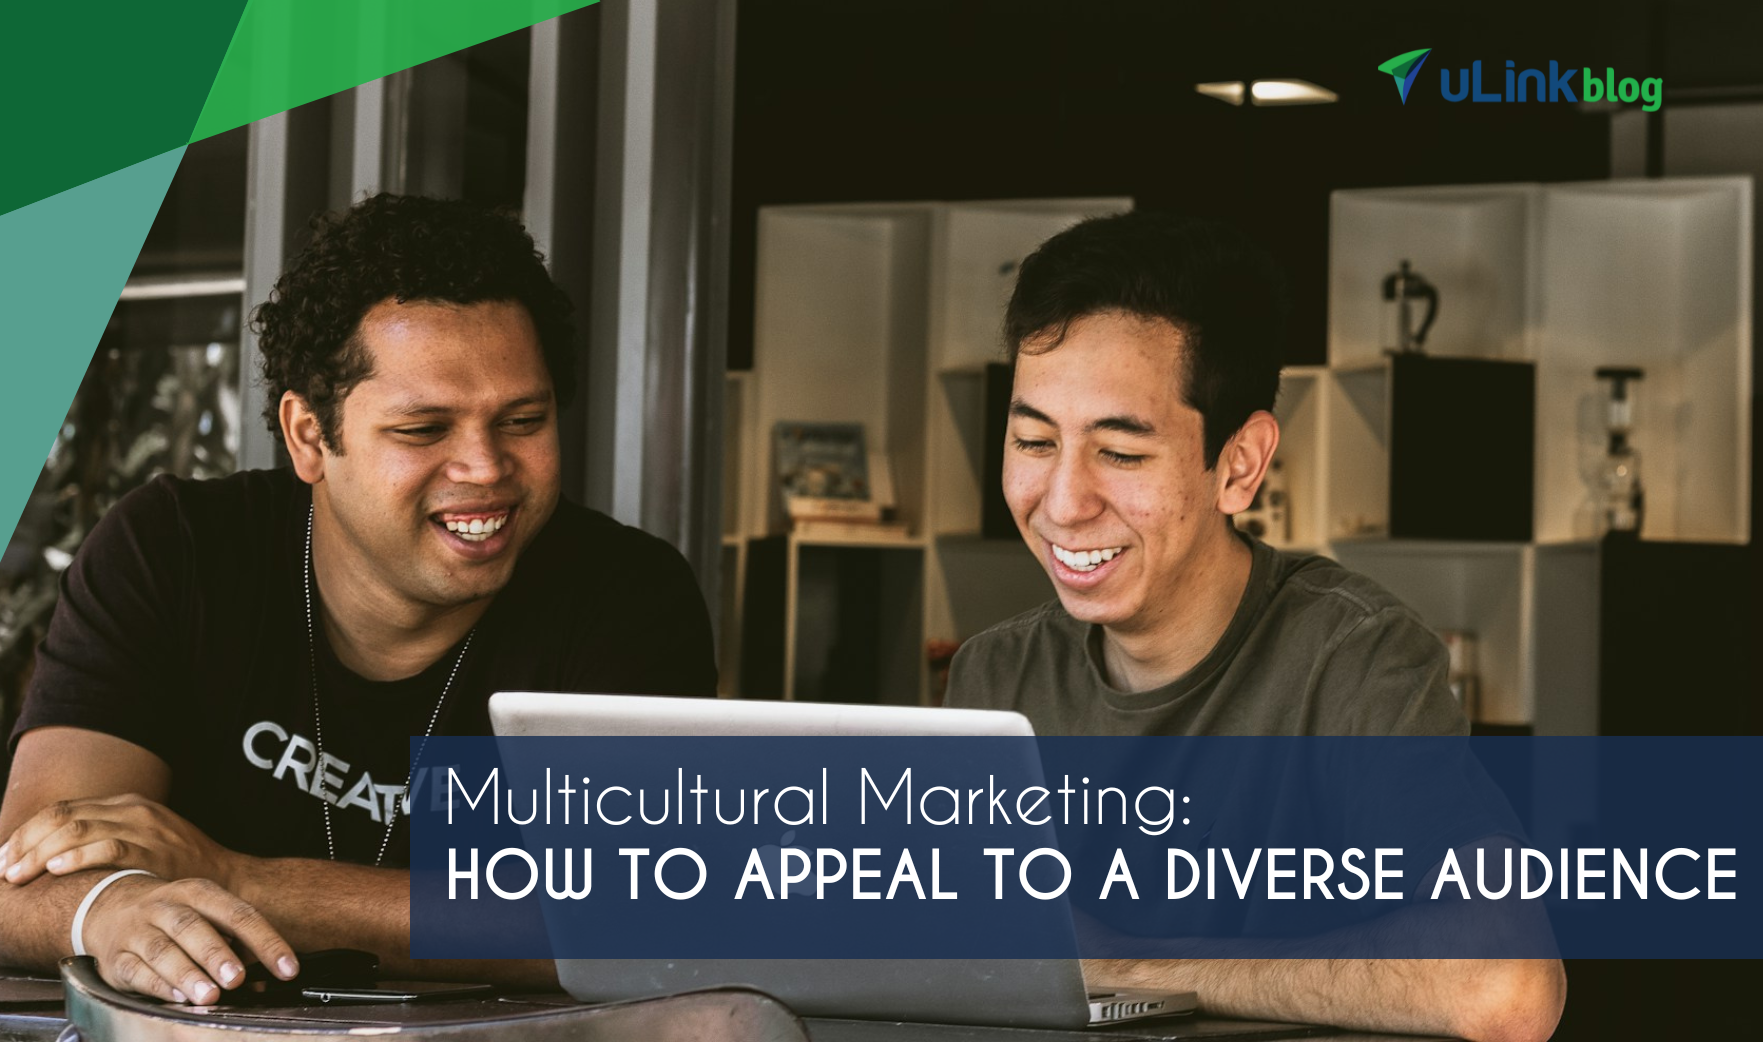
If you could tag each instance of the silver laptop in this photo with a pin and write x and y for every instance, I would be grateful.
(1046, 993)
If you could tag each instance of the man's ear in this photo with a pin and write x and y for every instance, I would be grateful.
(1244, 461)
(303, 436)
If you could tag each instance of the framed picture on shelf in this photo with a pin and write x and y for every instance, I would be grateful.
(823, 472)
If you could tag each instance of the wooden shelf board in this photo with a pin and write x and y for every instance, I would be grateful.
(911, 542)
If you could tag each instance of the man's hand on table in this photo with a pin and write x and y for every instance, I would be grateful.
(174, 934)
(155, 927)
(113, 832)
(1482, 999)
(177, 940)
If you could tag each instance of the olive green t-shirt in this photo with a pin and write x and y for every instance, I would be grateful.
(1313, 649)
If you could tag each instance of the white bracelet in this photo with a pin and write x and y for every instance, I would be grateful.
(79, 917)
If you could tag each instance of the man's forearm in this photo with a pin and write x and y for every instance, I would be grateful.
(1482, 999)
(38, 917)
(328, 904)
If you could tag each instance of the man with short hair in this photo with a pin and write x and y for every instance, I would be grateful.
(1147, 352)
(224, 698)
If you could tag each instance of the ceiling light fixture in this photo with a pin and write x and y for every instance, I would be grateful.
(1290, 92)
(1267, 92)
(1231, 92)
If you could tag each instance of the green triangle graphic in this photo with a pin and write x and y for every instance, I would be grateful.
(65, 260)
(289, 52)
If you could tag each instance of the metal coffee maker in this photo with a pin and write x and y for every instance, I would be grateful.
(1403, 289)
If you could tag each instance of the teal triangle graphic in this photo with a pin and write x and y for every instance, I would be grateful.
(1404, 67)
(64, 265)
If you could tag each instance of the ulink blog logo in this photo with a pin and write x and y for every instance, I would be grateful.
(1555, 85)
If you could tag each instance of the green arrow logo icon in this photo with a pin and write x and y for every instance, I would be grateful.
(1403, 67)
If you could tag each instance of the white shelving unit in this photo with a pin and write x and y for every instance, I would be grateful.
(887, 314)
(1647, 273)
(1654, 274)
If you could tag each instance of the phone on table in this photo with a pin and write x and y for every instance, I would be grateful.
(342, 975)
(396, 991)
(339, 966)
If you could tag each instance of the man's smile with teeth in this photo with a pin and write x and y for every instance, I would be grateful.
(1085, 560)
(474, 528)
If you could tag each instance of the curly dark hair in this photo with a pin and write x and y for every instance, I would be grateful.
(403, 248)
(1217, 287)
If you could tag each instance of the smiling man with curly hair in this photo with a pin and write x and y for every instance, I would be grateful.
(212, 757)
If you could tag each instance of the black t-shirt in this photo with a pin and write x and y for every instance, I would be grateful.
(182, 629)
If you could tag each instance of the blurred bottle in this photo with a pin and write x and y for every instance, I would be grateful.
(1463, 677)
(1619, 476)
